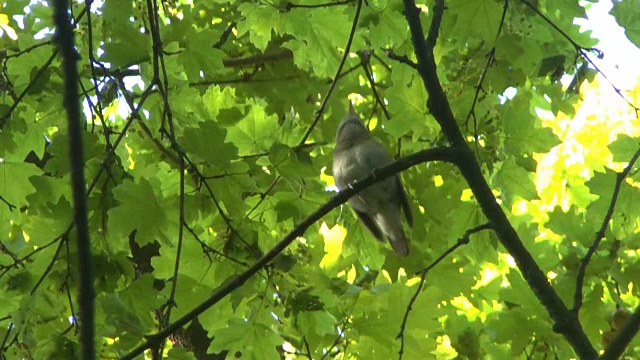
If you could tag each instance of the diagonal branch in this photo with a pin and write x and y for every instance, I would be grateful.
(626, 334)
(368, 71)
(582, 51)
(11, 206)
(565, 321)
(577, 297)
(435, 154)
(423, 275)
(490, 61)
(160, 75)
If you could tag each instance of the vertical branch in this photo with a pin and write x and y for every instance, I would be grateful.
(365, 57)
(65, 37)
(347, 48)
(491, 56)
(92, 61)
(162, 81)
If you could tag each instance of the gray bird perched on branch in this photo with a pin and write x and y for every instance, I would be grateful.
(379, 206)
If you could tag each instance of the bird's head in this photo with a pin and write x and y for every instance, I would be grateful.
(351, 128)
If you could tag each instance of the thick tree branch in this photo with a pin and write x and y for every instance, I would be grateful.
(65, 37)
(225, 35)
(620, 342)
(232, 62)
(435, 154)
(291, 5)
(566, 322)
(403, 59)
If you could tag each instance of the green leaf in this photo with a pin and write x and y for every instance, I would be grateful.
(624, 147)
(408, 106)
(140, 209)
(197, 59)
(514, 182)
(474, 18)
(522, 130)
(627, 15)
(316, 322)
(14, 181)
(259, 21)
(208, 142)
(255, 133)
(130, 49)
(180, 353)
(572, 226)
(318, 34)
(251, 341)
(389, 28)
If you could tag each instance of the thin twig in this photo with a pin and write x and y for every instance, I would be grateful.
(3, 344)
(337, 340)
(368, 71)
(306, 346)
(35, 251)
(490, 61)
(208, 248)
(423, 274)
(580, 50)
(347, 48)
(11, 206)
(38, 74)
(26, 90)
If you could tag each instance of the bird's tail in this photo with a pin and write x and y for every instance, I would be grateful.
(391, 225)
(400, 244)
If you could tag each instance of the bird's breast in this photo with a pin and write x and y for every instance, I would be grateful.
(348, 166)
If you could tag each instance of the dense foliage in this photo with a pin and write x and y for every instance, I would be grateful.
(208, 138)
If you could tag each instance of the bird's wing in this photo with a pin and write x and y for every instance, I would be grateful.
(379, 157)
(374, 156)
(368, 221)
(404, 201)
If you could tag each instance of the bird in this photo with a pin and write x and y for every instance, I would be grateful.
(356, 154)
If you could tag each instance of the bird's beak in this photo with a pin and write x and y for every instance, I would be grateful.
(351, 109)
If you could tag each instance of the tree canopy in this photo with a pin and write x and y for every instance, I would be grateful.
(207, 133)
